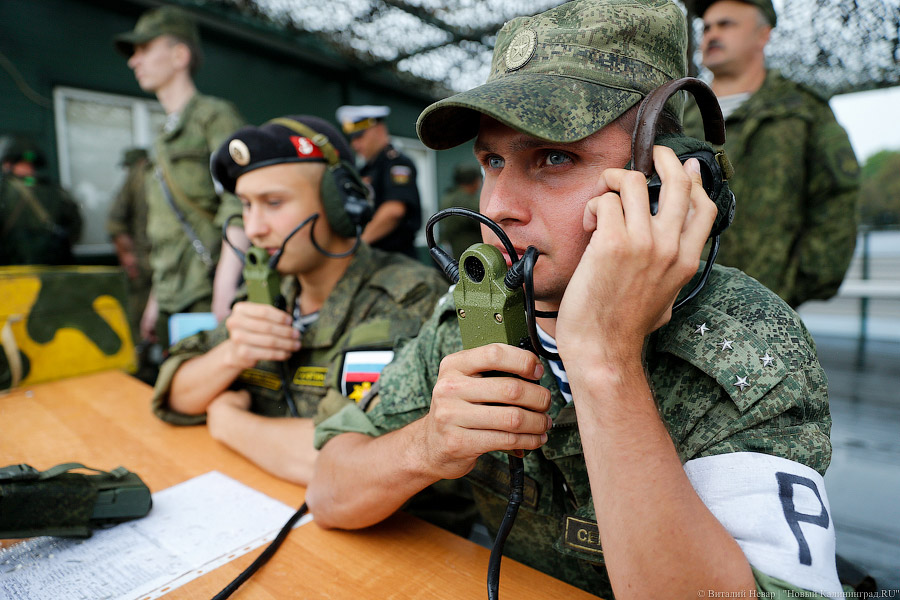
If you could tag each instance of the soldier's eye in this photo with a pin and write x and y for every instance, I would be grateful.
(495, 162)
(557, 158)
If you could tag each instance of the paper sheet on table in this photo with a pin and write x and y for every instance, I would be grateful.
(193, 528)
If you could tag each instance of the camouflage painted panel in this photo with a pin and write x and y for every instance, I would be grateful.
(60, 322)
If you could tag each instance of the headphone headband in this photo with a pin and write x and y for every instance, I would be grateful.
(652, 106)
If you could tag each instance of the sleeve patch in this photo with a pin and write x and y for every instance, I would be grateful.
(361, 369)
(400, 174)
(776, 510)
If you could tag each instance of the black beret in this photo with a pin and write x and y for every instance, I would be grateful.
(274, 143)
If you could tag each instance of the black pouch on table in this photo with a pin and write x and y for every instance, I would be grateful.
(60, 503)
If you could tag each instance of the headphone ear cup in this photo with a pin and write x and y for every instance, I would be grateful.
(347, 200)
(355, 195)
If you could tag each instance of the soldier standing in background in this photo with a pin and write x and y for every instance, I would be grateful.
(459, 233)
(127, 227)
(184, 211)
(39, 221)
(392, 175)
(797, 232)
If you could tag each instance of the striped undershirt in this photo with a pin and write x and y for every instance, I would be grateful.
(559, 371)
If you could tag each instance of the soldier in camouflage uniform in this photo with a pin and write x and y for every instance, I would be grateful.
(127, 227)
(668, 452)
(458, 233)
(184, 211)
(346, 306)
(797, 232)
(39, 221)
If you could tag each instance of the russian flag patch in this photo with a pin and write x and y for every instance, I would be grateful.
(361, 370)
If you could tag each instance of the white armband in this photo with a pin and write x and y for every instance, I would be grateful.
(776, 510)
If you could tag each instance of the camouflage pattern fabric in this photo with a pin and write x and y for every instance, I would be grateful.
(39, 222)
(565, 73)
(179, 276)
(59, 502)
(457, 232)
(782, 411)
(382, 299)
(63, 321)
(796, 182)
(128, 216)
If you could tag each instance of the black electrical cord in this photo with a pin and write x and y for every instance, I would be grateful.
(447, 263)
(521, 272)
(273, 262)
(335, 254)
(263, 558)
(516, 495)
(710, 260)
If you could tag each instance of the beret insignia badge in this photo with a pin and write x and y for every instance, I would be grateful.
(239, 152)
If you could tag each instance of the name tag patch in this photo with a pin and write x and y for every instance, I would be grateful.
(362, 369)
(584, 535)
(776, 510)
(310, 376)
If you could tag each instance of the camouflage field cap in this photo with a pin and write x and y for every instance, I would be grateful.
(566, 73)
(165, 20)
(699, 7)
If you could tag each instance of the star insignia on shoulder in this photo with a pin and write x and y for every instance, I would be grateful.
(741, 382)
(702, 329)
(766, 360)
(726, 344)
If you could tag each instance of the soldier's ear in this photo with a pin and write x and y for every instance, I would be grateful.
(181, 53)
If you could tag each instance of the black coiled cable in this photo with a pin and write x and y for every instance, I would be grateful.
(516, 495)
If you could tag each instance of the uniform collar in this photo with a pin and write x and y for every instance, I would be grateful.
(337, 307)
(183, 116)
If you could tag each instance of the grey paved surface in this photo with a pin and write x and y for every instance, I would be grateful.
(863, 481)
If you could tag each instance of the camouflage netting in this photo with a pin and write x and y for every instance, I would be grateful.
(836, 46)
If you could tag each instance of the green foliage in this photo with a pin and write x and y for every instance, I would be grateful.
(880, 190)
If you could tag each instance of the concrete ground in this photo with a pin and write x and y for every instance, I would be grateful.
(863, 481)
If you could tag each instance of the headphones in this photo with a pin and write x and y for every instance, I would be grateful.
(715, 168)
(346, 198)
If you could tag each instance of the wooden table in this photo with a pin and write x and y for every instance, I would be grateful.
(104, 420)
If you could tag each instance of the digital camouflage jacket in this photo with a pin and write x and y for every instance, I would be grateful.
(782, 412)
(382, 299)
(796, 183)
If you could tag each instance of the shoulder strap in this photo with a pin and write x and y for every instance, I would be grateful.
(174, 191)
(27, 197)
(196, 243)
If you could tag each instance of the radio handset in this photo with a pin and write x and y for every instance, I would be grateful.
(263, 281)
